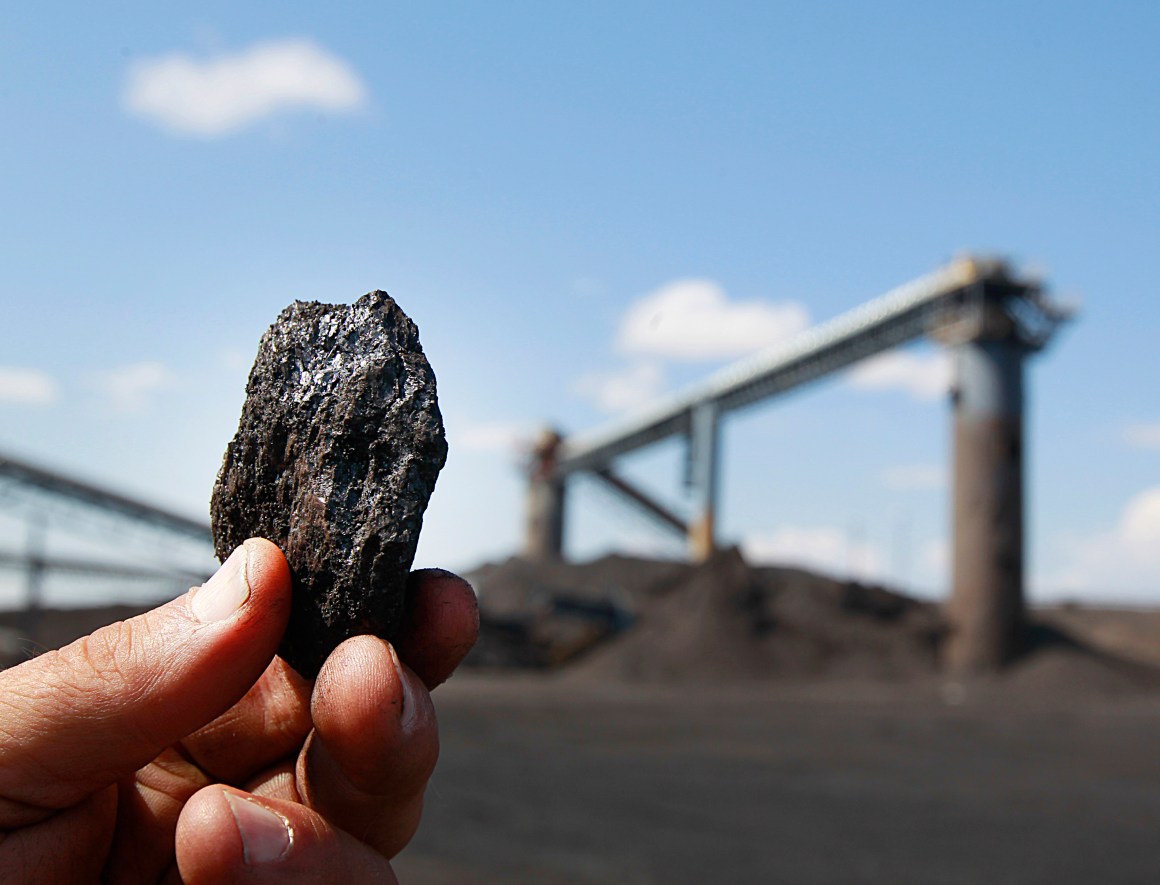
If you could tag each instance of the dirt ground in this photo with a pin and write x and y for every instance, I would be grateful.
(772, 725)
(546, 780)
(632, 721)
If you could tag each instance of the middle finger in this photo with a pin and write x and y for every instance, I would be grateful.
(374, 745)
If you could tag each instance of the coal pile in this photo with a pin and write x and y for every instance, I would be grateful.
(545, 615)
(626, 619)
(675, 622)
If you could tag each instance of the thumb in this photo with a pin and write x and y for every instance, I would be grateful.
(75, 720)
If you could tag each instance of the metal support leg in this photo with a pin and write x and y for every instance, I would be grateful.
(703, 453)
(986, 609)
(544, 539)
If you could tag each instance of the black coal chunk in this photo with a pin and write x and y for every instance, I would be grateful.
(335, 458)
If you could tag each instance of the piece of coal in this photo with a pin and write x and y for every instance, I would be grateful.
(335, 458)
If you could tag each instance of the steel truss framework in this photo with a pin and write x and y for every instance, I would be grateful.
(954, 304)
(75, 500)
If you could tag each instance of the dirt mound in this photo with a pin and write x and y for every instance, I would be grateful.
(725, 620)
(626, 618)
(540, 615)
(1130, 633)
(622, 618)
(1058, 664)
(517, 586)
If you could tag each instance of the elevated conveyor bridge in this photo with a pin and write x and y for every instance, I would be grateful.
(43, 493)
(990, 317)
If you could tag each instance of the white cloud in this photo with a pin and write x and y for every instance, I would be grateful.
(693, 319)
(923, 376)
(689, 319)
(935, 558)
(215, 96)
(1122, 562)
(1143, 436)
(915, 477)
(1140, 523)
(824, 549)
(128, 388)
(27, 386)
(623, 390)
(494, 436)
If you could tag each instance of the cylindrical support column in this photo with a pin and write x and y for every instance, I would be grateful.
(544, 538)
(986, 608)
(704, 437)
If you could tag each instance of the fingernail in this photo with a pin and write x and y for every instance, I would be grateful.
(266, 835)
(407, 713)
(224, 593)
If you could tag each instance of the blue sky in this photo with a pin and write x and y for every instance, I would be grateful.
(522, 177)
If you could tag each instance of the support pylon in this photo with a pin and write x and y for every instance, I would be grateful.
(544, 537)
(704, 439)
(986, 611)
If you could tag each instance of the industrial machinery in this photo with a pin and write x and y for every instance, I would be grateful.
(149, 544)
(989, 317)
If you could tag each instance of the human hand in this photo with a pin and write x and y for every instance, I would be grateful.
(175, 746)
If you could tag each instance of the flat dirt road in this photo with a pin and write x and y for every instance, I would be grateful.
(546, 780)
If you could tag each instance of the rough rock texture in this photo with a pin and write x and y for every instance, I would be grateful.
(335, 458)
